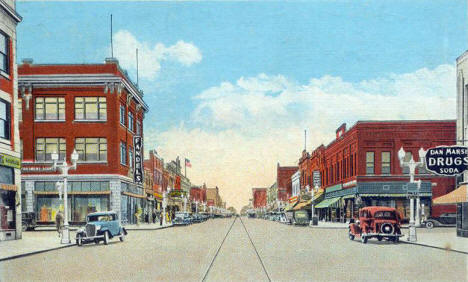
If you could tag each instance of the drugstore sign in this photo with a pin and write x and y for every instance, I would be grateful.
(447, 160)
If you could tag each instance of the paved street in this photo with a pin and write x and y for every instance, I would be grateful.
(288, 253)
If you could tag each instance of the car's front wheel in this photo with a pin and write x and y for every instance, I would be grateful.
(106, 238)
(122, 237)
(364, 239)
(350, 235)
(429, 224)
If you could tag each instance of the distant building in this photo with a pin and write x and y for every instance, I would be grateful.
(283, 180)
(259, 197)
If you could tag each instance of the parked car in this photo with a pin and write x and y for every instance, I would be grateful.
(301, 217)
(445, 219)
(197, 218)
(28, 221)
(376, 222)
(182, 218)
(100, 226)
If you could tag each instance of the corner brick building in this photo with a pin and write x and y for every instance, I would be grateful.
(94, 109)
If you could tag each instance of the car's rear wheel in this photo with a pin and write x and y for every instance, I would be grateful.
(96, 241)
(429, 225)
(24, 227)
(106, 238)
(379, 238)
(350, 235)
(396, 240)
(364, 239)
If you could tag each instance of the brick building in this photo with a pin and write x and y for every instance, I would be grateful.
(361, 166)
(213, 199)
(198, 198)
(10, 162)
(259, 196)
(283, 180)
(94, 109)
(156, 165)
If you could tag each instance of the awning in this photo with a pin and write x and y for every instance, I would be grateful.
(394, 195)
(456, 196)
(328, 203)
(302, 205)
(289, 207)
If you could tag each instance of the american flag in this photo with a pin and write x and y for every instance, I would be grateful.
(187, 163)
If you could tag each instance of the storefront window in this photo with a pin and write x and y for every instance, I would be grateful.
(83, 205)
(48, 206)
(7, 175)
(46, 186)
(89, 186)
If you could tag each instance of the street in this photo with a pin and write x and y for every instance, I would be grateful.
(285, 253)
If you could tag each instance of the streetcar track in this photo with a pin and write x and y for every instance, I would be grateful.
(217, 252)
(258, 255)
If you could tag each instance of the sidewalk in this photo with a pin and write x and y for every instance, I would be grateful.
(440, 238)
(32, 243)
(330, 225)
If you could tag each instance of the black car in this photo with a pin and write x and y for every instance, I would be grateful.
(197, 218)
(28, 220)
(445, 219)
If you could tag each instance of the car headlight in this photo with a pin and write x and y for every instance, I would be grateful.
(98, 227)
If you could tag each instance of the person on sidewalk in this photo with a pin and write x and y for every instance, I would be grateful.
(59, 222)
(161, 216)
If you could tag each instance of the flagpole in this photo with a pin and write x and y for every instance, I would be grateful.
(185, 162)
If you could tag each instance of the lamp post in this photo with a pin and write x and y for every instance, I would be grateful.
(412, 165)
(63, 168)
(185, 203)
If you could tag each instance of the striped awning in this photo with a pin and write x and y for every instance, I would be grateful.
(458, 195)
(302, 205)
(332, 202)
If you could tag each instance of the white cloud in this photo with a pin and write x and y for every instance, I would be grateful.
(150, 57)
(244, 128)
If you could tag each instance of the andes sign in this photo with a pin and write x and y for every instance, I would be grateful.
(447, 160)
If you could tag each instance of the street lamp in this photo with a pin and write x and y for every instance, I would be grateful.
(412, 165)
(63, 168)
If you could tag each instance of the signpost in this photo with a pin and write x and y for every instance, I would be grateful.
(447, 160)
(138, 172)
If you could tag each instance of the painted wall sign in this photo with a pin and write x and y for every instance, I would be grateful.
(10, 161)
(447, 160)
(138, 153)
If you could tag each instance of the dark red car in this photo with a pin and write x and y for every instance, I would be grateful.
(376, 222)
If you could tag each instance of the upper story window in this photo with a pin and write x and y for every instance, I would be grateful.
(369, 162)
(50, 108)
(90, 108)
(4, 53)
(122, 115)
(386, 163)
(20, 109)
(131, 122)
(91, 149)
(5, 119)
(123, 153)
(46, 146)
(138, 128)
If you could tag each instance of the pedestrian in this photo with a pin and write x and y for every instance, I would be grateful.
(154, 216)
(59, 222)
(160, 218)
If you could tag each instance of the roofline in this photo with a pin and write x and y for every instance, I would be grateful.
(11, 11)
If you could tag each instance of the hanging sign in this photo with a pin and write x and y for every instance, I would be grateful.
(316, 178)
(447, 160)
(138, 159)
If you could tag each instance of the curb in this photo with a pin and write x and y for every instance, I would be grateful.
(36, 252)
(147, 229)
(331, 227)
(434, 247)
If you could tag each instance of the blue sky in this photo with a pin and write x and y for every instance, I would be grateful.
(247, 59)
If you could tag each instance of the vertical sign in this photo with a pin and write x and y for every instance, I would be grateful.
(316, 180)
(138, 148)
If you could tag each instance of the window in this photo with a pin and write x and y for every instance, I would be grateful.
(386, 162)
(131, 122)
(138, 128)
(91, 149)
(123, 153)
(352, 165)
(130, 157)
(5, 119)
(369, 162)
(50, 108)
(122, 115)
(20, 109)
(4, 53)
(90, 108)
(408, 157)
(46, 146)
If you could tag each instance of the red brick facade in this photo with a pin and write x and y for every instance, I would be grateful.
(283, 180)
(259, 197)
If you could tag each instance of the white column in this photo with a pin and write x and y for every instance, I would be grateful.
(418, 212)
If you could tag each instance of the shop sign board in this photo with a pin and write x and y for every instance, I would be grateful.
(316, 178)
(10, 161)
(138, 159)
(447, 160)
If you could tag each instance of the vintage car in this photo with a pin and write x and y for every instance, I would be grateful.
(301, 217)
(28, 221)
(182, 218)
(100, 226)
(445, 220)
(376, 222)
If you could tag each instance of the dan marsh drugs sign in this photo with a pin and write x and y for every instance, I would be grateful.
(447, 160)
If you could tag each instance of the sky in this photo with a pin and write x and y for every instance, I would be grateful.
(232, 85)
